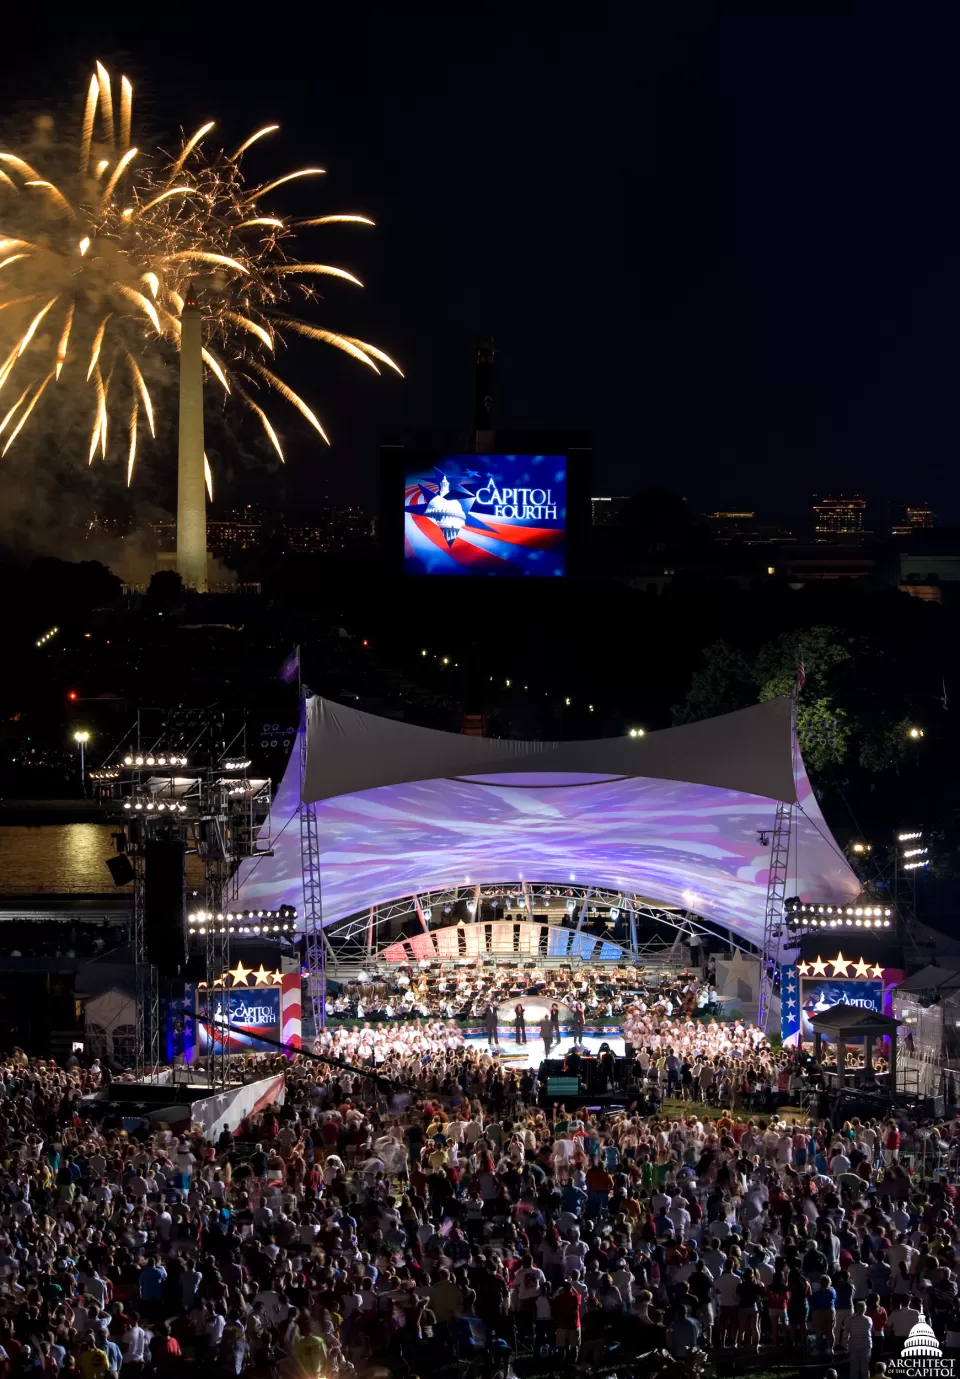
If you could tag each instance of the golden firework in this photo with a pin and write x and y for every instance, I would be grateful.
(97, 254)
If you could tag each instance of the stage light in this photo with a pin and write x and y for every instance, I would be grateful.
(128, 761)
(908, 837)
(139, 761)
(138, 805)
(161, 761)
(915, 733)
(150, 761)
(127, 805)
(423, 653)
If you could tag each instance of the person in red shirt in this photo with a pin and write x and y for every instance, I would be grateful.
(165, 1350)
(599, 1188)
(891, 1142)
(877, 1313)
(566, 1316)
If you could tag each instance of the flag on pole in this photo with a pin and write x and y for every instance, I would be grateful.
(290, 669)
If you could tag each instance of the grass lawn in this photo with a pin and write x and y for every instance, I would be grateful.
(674, 1108)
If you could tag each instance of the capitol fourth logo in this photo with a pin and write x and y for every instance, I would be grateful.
(921, 1356)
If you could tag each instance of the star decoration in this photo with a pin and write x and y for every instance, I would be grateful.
(240, 974)
(839, 965)
(263, 977)
(791, 1004)
(818, 968)
(877, 972)
(803, 968)
(863, 968)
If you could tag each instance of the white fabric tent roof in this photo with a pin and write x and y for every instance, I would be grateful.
(749, 751)
(681, 816)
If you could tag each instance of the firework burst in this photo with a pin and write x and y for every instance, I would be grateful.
(96, 261)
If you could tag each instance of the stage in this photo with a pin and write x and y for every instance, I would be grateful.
(532, 1054)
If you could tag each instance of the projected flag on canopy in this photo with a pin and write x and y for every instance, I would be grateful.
(682, 816)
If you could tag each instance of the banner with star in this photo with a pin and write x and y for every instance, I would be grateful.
(789, 1003)
(253, 1014)
(826, 982)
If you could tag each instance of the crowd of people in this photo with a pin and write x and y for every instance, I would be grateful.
(462, 992)
(433, 1203)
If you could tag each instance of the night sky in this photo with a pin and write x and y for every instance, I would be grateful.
(725, 238)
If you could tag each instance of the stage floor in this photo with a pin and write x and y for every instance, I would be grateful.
(531, 1054)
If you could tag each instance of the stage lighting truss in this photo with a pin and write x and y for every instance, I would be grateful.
(361, 937)
(260, 924)
(803, 916)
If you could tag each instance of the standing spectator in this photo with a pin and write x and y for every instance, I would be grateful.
(856, 1334)
(823, 1315)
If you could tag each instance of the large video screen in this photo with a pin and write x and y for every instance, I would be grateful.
(255, 1014)
(487, 515)
(817, 996)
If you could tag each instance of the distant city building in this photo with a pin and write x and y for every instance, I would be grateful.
(740, 524)
(605, 512)
(905, 518)
(334, 529)
(102, 525)
(223, 538)
(728, 525)
(844, 515)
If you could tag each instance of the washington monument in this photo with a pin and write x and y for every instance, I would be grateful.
(191, 488)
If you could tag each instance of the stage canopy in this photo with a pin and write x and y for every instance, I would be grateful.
(681, 817)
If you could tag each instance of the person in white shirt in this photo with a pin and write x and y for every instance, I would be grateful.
(856, 1333)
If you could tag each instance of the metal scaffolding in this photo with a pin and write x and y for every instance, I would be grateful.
(773, 913)
(152, 784)
(146, 1053)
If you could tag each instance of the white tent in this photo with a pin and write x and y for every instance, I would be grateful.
(110, 1025)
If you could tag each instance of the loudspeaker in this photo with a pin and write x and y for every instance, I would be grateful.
(164, 905)
(120, 869)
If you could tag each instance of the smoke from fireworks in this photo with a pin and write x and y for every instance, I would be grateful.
(96, 261)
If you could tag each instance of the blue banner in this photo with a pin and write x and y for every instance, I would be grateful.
(789, 1001)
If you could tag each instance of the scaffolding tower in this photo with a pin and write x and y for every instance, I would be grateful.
(175, 775)
(773, 912)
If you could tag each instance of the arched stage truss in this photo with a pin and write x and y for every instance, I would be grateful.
(568, 915)
(710, 823)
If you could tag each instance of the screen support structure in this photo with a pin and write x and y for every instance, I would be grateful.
(146, 1054)
(313, 935)
(773, 913)
(217, 954)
